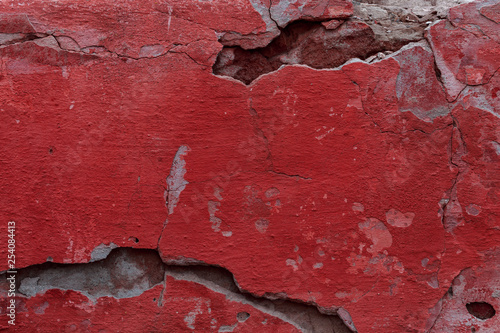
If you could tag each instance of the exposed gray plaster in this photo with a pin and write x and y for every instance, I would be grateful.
(128, 272)
(175, 181)
(101, 251)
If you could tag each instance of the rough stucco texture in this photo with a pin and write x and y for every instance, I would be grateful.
(369, 191)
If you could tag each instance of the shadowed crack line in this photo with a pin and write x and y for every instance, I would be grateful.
(99, 51)
(128, 272)
(317, 45)
(291, 176)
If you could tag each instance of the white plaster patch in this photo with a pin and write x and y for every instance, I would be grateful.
(175, 181)
(318, 265)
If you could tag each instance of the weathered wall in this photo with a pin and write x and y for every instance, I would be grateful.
(251, 165)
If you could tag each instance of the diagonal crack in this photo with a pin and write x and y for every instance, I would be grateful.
(439, 304)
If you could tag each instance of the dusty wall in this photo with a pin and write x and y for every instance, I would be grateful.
(250, 166)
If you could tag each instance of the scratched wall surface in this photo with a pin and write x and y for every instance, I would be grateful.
(251, 165)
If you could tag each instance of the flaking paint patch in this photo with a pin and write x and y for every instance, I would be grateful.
(293, 263)
(284, 227)
(377, 232)
(101, 251)
(190, 319)
(417, 74)
(124, 273)
(257, 38)
(346, 318)
(227, 328)
(175, 181)
(261, 225)
(213, 207)
(473, 209)
(41, 309)
(477, 284)
(318, 265)
(398, 219)
(358, 207)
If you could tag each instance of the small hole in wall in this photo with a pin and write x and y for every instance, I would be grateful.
(481, 310)
(154, 299)
(473, 329)
(242, 316)
(51, 150)
(134, 239)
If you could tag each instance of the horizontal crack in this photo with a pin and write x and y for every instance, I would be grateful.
(128, 272)
(92, 50)
(324, 45)
(287, 175)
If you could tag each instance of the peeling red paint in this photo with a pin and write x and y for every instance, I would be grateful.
(366, 190)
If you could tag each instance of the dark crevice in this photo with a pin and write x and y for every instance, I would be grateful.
(74, 48)
(312, 44)
(291, 176)
(481, 310)
(128, 272)
(439, 75)
(270, 14)
(19, 38)
(125, 272)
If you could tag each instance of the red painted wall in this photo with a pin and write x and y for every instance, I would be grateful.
(364, 190)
